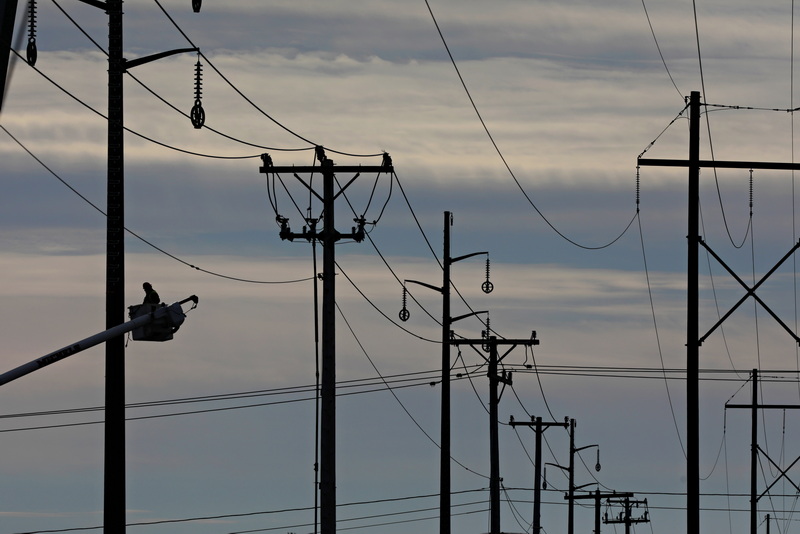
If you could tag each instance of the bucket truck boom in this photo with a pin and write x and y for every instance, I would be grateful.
(148, 323)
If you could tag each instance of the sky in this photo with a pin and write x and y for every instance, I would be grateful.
(530, 140)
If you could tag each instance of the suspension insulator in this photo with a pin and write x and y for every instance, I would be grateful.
(196, 5)
(487, 286)
(404, 314)
(198, 114)
(31, 52)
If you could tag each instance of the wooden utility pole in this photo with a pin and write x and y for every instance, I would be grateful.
(328, 236)
(597, 496)
(571, 472)
(755, 449)
(447, 321)
(693, 338)
(626, 516)
(539, 428)
(492, 343)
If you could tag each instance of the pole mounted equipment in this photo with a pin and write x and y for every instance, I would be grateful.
(196, 4)
(487, 286)
(198, 115)
(31, 52)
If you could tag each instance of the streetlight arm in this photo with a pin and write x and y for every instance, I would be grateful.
(130, 63)
(465, 256)
(423, 284)
(454, 319)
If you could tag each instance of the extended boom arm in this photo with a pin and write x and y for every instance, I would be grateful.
(167, 318)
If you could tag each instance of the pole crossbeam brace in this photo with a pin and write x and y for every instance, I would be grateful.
(762, 165)
(316, 169)
(597, 496)
(513, 342)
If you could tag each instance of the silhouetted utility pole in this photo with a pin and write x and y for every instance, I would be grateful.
(114, 465)
(571, 471)
(328, 236)
(114, 455)
(539, 428)
(597, 496)
(693, 339)
(755, 449)
(447, 321)
(626, 515)
(490, 344)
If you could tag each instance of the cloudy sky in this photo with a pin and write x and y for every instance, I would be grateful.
(221, 427)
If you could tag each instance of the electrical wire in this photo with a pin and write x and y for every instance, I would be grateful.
(663, 61)
(248, 100)
(391, 390)
(137, 236)
(280, 511)
(502, 157)
(134, 132)
(162, 99)
(398, 325)
(658, 338)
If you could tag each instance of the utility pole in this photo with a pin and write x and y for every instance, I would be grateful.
(755, 449)
(114, 463)
(693, 339)
(597, 496)
(571, 471)
(114, 430)
(539, 428)
(491, 343)
(328, 236)
(447, 321)
(625, 516)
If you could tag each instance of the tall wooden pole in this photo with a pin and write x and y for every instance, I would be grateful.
(114, 474)
(444, 455)
(328, 382)
(692, 324)
(494, 444)
(754, 457)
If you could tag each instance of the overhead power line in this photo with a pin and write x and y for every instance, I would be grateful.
(137, 236)
(503, 158)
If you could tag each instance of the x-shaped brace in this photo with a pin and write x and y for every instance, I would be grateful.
(783, 474)
(751, 291)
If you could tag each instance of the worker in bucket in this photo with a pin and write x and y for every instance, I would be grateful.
(150, 295)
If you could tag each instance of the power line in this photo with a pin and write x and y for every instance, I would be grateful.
(249, 101)
(162, 99)
(502, 157)
(137, 236)
(661, 55)
(134, 132)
